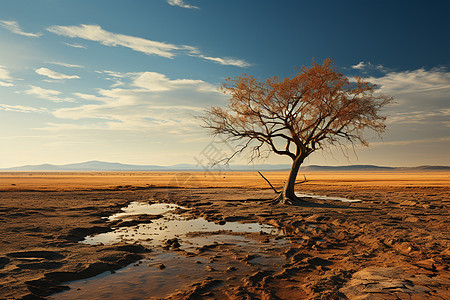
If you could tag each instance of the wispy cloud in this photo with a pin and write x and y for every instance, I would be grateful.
(74, 45)
(368, 66)
(14, 27)
(181, 3)
(98, 34)
(148, 101)
(89, 97)
(421, 97)
(64, 64)
(422, 117)
(227, 61)
(21, 108)
(157, 82)
(54, 75)
(409, 142)
(419, 80)
(5, 77)
(2, 83)
(47, 94)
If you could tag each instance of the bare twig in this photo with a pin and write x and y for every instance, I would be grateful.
(269, 182)
(298, 182)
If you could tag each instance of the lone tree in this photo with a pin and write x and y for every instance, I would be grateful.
(296, 116)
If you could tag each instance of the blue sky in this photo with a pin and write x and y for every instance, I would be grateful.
(121, 81)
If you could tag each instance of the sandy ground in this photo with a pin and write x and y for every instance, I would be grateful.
(395, 244)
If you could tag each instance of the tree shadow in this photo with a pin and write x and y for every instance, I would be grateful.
(309, 202)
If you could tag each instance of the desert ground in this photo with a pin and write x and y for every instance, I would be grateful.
(393, 244)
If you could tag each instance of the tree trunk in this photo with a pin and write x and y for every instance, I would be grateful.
(287, 195)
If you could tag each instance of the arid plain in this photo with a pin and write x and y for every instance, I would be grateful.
(393, 244)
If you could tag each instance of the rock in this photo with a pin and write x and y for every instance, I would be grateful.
(89, 271)
(256, 278)
(299, 257)
(428, 264)
(249, 257)
(135, 248)
(373, 282)
(408, 203)
(161, 266)
(172, 244)
(412, 219)
(121, 259)
(316, 261)
(78, 234)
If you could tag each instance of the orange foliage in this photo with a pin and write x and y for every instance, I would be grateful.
(316, 107)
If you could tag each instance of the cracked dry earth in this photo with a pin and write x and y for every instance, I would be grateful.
(395, 244)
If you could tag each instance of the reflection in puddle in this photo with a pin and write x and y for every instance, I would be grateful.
(145, 279)
(141, 280)
(140, 208)
(171, 226)
(228, 255)
(326, 197)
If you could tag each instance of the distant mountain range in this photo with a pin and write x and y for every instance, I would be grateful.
(108, 166)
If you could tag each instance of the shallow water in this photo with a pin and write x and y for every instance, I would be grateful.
(141, 208)
(326, 197)
(168, 227)
(140, 280)
(145, 279)
(172, 226)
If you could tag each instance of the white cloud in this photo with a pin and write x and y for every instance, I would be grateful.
(181, 3)
(409, 142)
(367, 66)
(421, 117)
(64, 64)
(2, 83)
(47, 94)
(419, 80)
(359, 66)
(14, 27)
(21, 108)
(98, 34)
(157, 82)
(5, 77)
(54, 75)
(227, 61)
(114, 74)
(149, 101)
(74, 45)
(89, 97)
(422, 108)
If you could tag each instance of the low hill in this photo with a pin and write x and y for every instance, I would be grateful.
(108, 166)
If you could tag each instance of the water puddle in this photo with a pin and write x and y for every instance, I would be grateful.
(141, 280)
(168, 227)
(326, 197)
(172, 226)
(229, 251)
(146, 279)
(140, 208)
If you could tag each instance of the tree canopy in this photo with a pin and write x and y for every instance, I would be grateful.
(296, 116)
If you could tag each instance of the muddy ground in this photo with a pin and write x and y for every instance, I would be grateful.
(395, 244)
